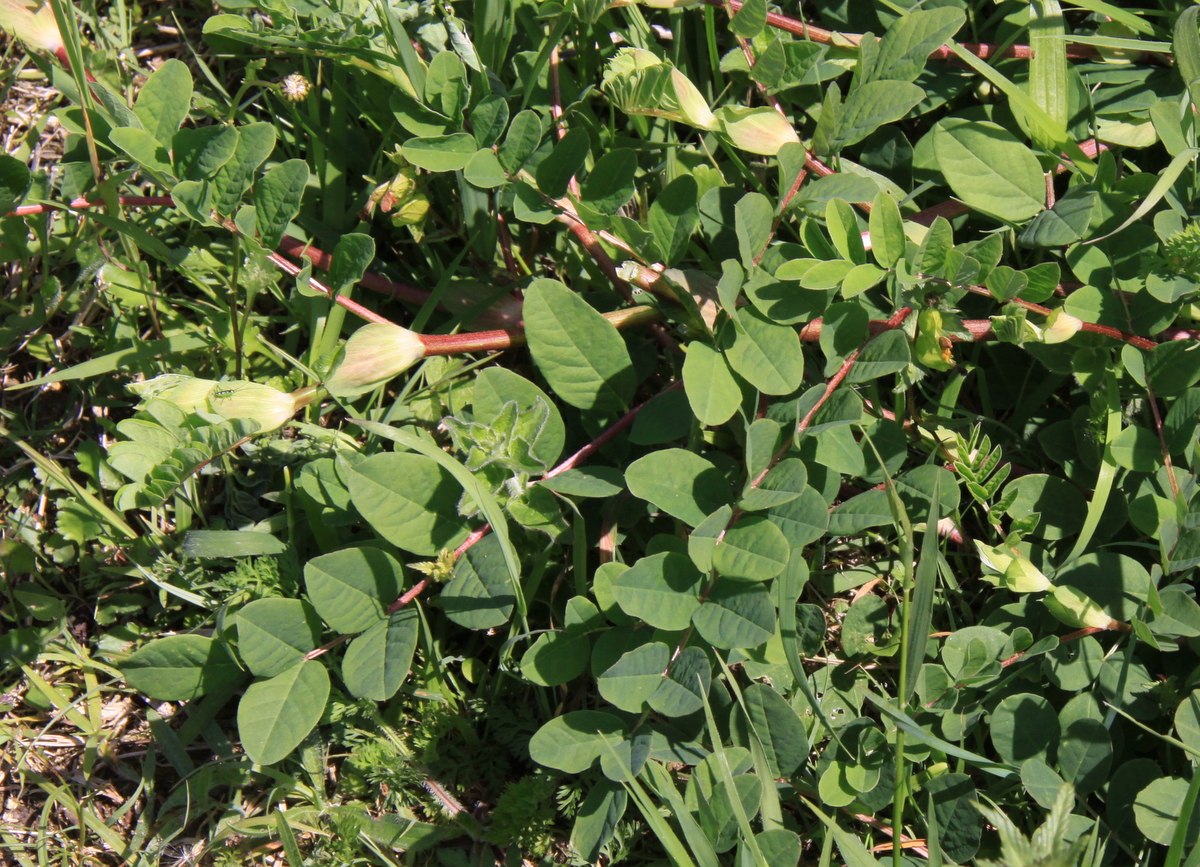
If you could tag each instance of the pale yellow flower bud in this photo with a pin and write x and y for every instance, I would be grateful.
(31, 22)
(1075, 608)
(253, 401)
(757, 130)
(186, 392)
(692, 105)
(993, 558)
(373, 355)
(1021, 576)
(1060, 326)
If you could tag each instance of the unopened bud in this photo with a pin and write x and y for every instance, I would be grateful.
(1075, 608)
(757, 130)
(668, 4)
(186, 392)
(692, 105)
(374, 354)
(1021, 576)
(31, 22)
(1060, 326)
(993, 558)
(254, 401)
(295, 87)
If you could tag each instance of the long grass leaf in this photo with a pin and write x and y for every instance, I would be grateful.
(664, 787)
(725, 773)
(1048, 65)
(920, 606)
(1108, 470)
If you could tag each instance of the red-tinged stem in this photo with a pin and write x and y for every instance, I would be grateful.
(499, 340)
(1162, 440)
(353, 306)
(61, 54)
(1106, 330)
(375, 282)
(411, 594)
(983, 50)
(1087, 630)
(132, 201)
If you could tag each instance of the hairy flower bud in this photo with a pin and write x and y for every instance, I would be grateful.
(186, 392)
(692, 105)
(33, 23)
(295, 87)
(373, 355)
(1060, 326)
(254, 401)
(757, 130)
(1075, 608)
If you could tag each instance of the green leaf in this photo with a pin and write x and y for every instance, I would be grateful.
(609, 184)
(736, 614)
(750, 19)
(579, 352)
(440, 153)
(274, 634)
(906, 46)
(480, 596)
(989, 169)
(753, 217)
(255, 143)
(1138, 449)
(683, 690)
(351, 589)
(597, 819)
(885, 354)
(785, 482)
(712, 392)
(275, 715)
(662, 590)
(844, 232)
(629, 681)
(1065, 223)
(200, 153)
(410, 500)
(673, 218)
(1085, 755)
(960, 824)
(1157, 807)
(180, 667)
(145, 150)
(778, 727)
(753, 549)
(524, 134)
(802, 520)
(484, 170)
(351, 258)
(586, 482)
(1048, 80)
(767, 355)
(230, 543)
(556, 657)
(682, 484)
(277, 196)
(1024, 726)
(164, 101)
(377, 661)
(871, 106)
(1186, 49)
(573, 741)
(554, 173)
(1173, 367)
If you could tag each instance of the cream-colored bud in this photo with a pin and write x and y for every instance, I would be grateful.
(668, 4)
(31, 22)
(1060, 326)
(373, 355)
(1021, 576)
(757, 130)
(186, 392)
(692, 105)
(993, 558)
(254, 401)
(1076, 608)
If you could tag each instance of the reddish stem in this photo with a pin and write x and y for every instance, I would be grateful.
(986, 51)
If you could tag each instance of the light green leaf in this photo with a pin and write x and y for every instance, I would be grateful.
(871, 106)
(767, 355)
(277, 196)
(712, 392)
(410, 500)
(682, 484)
(377, 661)
(989, 169)
(554, 173)
(662, 590)
(275, 715)
(579, 352)
(629, 681)
(573, 741)
(683, 690)
(440, 153)
(164, 101)
(736, 614)
(274, 634)
(180, 667)
(352, 588)
(753, 549)
(906, 46)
